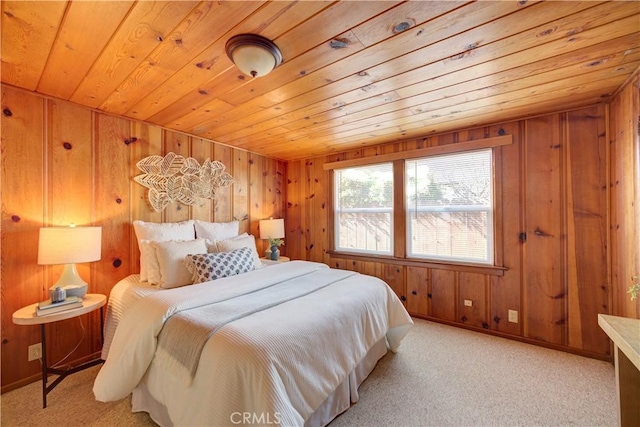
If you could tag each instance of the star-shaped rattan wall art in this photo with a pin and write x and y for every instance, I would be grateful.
(176, 178)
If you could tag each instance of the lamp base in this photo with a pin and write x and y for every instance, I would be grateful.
(71, 282)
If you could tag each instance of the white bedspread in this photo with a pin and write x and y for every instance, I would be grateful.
(280, 363)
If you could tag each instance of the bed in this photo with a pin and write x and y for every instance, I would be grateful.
(287, 344)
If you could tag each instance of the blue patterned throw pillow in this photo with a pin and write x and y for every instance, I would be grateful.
(205, 267)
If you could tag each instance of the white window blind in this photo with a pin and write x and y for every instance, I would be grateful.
(363, 204)
(449, 207)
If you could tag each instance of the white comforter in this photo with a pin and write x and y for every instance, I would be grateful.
(279, 363)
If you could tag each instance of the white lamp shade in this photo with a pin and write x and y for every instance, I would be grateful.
(271, 228)
(254, 60)
(69, 245)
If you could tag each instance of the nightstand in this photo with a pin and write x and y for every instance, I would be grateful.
(280, 259)
(27, 316)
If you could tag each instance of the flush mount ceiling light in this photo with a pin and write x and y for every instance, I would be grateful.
(254, 55)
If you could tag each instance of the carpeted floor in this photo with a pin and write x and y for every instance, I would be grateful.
(441, 376)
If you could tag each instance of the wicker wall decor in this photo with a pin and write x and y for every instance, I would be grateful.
(175, 178)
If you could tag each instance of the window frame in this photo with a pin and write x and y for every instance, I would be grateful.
(399, 255)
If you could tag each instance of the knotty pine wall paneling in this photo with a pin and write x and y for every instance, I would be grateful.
(625, 196)
(551, 234)
(62, 163)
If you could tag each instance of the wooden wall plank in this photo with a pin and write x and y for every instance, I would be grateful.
(418, 290)
(394, 275)
(256, 198)
(280, 196)
(472, 287)
(111, 200)
(443, 295)
(506, 289)
(23, 211)
(241, 189)
(111, 208)
(69, 193)
(148, 142)
(625, 193)
(544, 285)
(315, 208)
(223, 208)
(294, 219)
(586, 225)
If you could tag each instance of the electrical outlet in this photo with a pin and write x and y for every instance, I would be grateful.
(468, 303)
(513, 316)
(35, 352)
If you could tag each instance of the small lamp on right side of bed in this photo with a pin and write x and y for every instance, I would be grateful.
(273, 231)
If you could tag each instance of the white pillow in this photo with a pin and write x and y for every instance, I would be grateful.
(212, 245)
(216, 230)
(238, 242)
(159, 232)
(205, 267)
(149, 259)
(171, 259)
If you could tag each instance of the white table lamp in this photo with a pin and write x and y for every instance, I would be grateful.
(68, 246)
(272, 229)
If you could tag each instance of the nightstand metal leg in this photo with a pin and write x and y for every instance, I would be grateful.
(44, 365)
(63, 373)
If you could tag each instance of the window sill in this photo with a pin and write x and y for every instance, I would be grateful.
(492, 270)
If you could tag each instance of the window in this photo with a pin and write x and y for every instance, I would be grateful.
(449, 207)
(363, 206)
(432, 205)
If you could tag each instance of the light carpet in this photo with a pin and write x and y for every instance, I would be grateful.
(441, 376)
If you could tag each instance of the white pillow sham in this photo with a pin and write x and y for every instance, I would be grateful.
(159, 232)
(171, 260)
(205, 267)
(216, 230)
(244, 241)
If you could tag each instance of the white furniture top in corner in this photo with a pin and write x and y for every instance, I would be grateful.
(625, 333)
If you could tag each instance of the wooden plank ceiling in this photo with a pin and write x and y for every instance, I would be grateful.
(355, 73)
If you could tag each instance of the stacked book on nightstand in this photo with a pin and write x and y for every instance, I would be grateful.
(47, 307)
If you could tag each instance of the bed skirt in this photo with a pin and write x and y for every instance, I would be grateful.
(337, 402)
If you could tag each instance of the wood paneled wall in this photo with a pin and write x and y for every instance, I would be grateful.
(552, 184)
(625, 200)
(63, 164)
